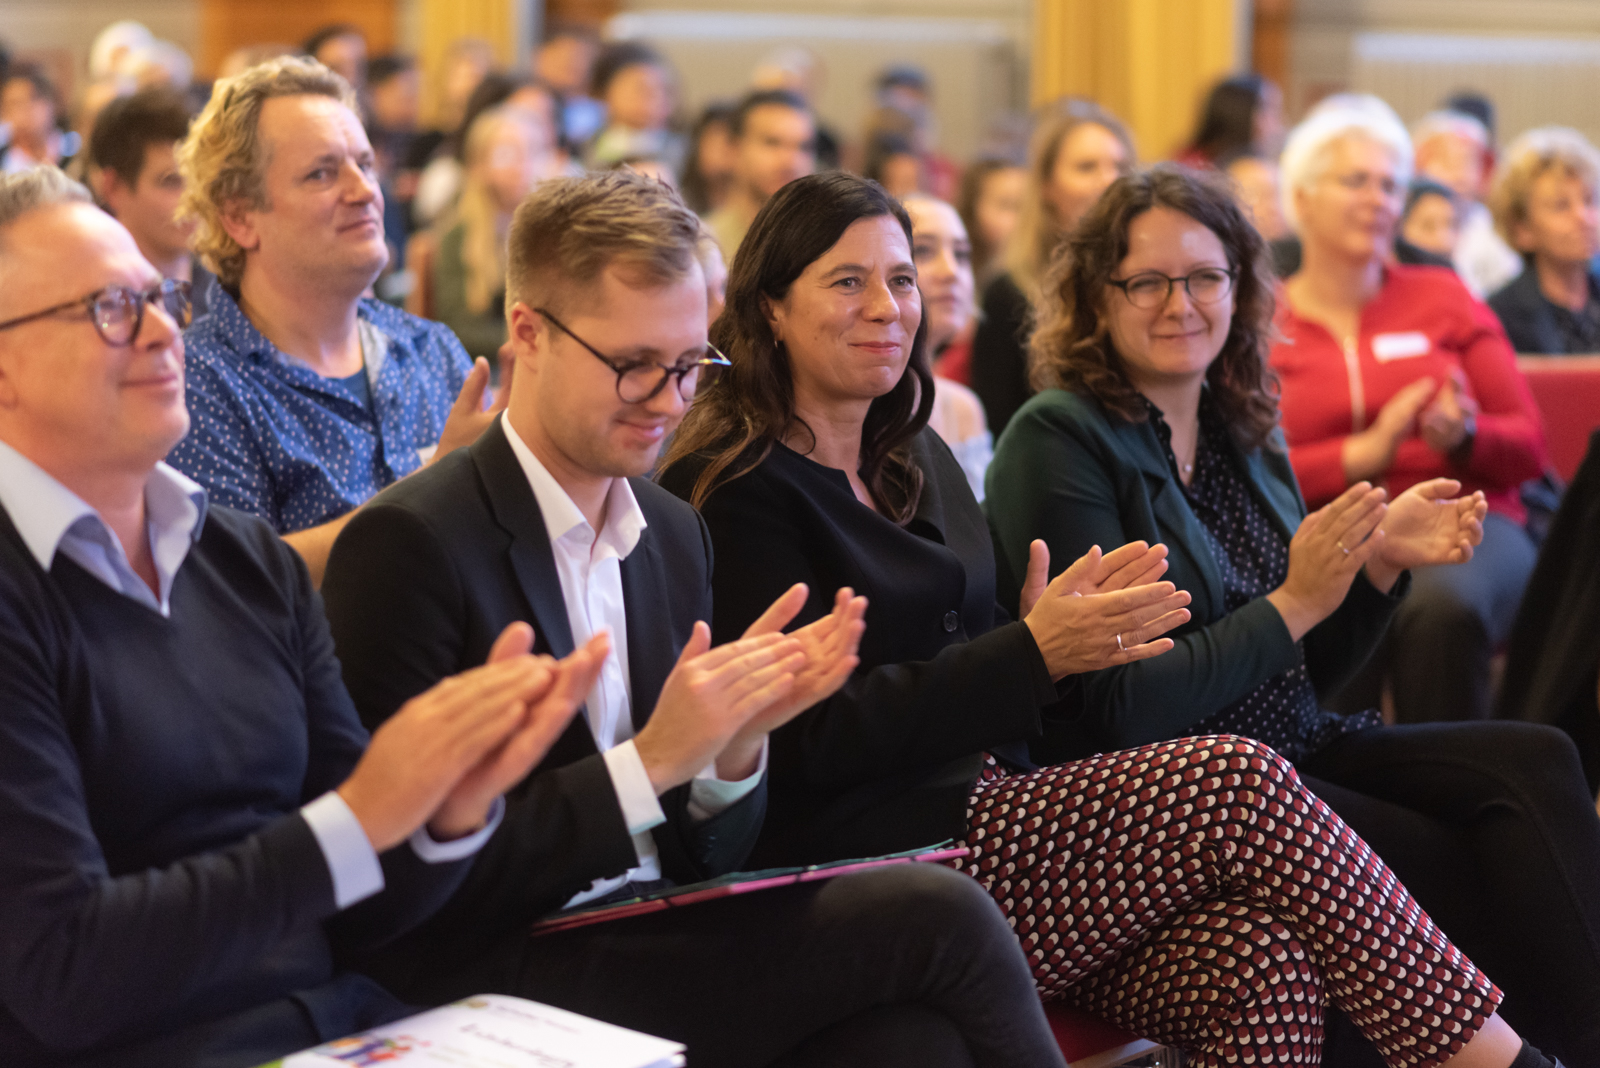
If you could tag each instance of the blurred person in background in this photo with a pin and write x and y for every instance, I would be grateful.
(1241, 113)
(164, 63)
(1544, 203)
(565, 62)
(394, 94)
(467, 61)
(774, 139)
(894, 163)
(1431, 219)
(708, 165)
(639, 89)
(1453, 149)
(91, 101)
(342, 48)
(1255, 185)
(943, 255)
(801, 72)
(116, 49)
(990, 204)
(508, 151)
(906, 89)
(31, 107)
(134, 165)
(1394, 374)
(1078, 150)
(715, 268)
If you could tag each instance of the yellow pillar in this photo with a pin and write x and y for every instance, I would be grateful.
(1150, 62)
(439, 22)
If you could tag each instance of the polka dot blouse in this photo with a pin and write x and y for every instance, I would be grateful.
(1252, 555)
(270, 436)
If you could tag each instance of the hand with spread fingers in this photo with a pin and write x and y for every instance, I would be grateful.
(1331, 546)
(1427, 524)
(450, 751)
(1104, 610)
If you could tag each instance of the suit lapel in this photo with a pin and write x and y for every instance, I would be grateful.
(517, 511)
(1172, 512)
(651, 654)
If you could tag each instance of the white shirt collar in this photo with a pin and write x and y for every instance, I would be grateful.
(624, 522)
(44, 511)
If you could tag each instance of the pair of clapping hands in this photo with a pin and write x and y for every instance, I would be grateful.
(1111, 609)
(441, 761)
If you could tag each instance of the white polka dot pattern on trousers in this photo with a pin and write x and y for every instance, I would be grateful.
(1196, 893)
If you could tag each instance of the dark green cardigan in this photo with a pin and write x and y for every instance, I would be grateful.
(1070, 473)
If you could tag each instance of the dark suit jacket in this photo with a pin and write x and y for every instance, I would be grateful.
(419, 585)
(1527, 315)
(1069, 473)
(1000, 352)
(886, 763)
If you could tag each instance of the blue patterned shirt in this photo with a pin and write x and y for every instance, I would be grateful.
(270, 436)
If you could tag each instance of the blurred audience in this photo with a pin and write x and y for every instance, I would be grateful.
(774, 142)
(394, 94)
(894, 163)
(801, 72)
(31, 108)
(467, 61)
(508, 150)
(306, 396)
(990, 203)
(710, 159)
(943, 256)
(133, 162)
(1395, 374)
(1431, 219)
(1078, 150)
(1453, 149)
(1544, 206)
(342, 48)
(1255, 186)
(1243, 113)
(639, 90)
(116, 50)
(905, 90)
(566, 62)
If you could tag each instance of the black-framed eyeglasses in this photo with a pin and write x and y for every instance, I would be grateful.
(117, 312)
(1152, 289)
(640, 380)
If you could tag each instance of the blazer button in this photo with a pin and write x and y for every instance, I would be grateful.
(951, 622)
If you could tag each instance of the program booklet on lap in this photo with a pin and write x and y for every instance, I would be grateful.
(493, 1031)
(742, 882)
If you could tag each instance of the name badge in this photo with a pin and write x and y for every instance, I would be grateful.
(1386, 347)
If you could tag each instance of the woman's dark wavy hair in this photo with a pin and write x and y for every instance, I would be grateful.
(736, 419)
(1072, 349)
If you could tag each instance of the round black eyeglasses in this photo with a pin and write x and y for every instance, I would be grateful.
(1152, 289)
(640, 380)
(117, 312)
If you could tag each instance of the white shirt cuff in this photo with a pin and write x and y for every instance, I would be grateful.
(432, 852)
(640, 809)
(709, 795)
(352, 862)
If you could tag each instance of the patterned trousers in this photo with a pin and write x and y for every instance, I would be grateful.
(1194, 892)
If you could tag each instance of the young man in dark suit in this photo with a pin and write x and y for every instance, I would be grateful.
(548, 519)
(195, 829)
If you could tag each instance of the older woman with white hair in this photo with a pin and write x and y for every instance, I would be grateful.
(1396, 374)
(1544, 203)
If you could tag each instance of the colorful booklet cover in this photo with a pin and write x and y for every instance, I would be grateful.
(743, 882)
(493, 1031)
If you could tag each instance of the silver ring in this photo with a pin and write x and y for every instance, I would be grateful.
(1120, 647)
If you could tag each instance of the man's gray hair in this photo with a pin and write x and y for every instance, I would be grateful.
(37, 188)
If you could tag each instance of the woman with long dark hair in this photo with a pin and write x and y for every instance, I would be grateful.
(1192, 891)
(1157, 418)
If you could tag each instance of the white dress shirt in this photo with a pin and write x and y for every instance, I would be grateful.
(589, 566)
(51, 518)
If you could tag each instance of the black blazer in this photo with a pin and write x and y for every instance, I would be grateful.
(1527, 316)
(1069, 473)
(419, 585)
(885, 764)
(1000, 352)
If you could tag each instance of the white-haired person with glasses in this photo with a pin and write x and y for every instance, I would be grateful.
(196, 825)
(548, 520)
(307, 396)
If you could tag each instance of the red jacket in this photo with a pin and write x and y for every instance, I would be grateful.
(1423, 322)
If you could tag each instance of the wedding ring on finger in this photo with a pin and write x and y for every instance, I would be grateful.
(1120, 647)
(1342, 549)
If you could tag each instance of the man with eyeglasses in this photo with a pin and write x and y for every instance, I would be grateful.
(194, 823)
(548, 520)
(307, 397)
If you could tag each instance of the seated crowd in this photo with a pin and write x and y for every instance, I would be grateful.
(1146, 531)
